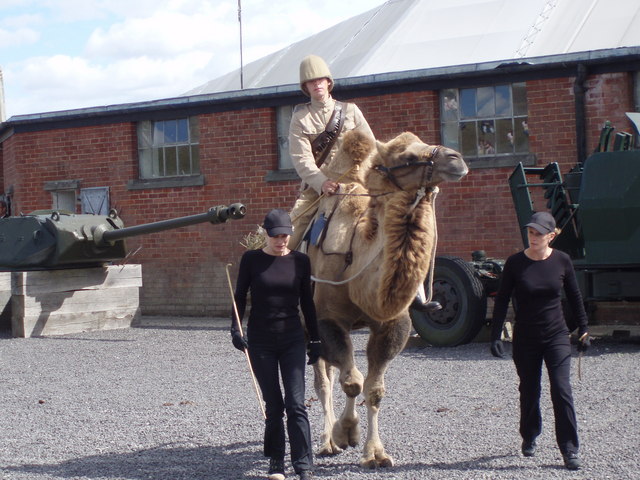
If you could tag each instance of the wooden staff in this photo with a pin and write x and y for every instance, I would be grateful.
(580, 357)
(246, 352)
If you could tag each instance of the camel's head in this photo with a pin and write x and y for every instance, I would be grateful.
(408, 163)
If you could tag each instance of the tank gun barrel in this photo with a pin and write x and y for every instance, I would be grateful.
(215, 215)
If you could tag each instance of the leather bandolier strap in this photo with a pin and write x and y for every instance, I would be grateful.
(323, 143)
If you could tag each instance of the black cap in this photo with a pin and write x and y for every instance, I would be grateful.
(277, 222)
(543, 222)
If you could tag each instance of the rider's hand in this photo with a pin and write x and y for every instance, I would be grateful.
(329, 187)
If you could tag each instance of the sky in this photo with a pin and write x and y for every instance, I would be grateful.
(66, 54)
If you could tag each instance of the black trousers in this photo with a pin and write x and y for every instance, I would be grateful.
(528, 355)
(283, 354)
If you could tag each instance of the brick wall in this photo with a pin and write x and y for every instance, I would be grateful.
(184, 270)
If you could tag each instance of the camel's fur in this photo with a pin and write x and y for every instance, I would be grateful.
(392, 248)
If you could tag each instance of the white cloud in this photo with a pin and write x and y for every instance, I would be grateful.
(141, 50)
(20, 36)
(163, 34)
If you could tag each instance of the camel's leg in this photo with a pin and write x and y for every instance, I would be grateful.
(323, 383)
(385, 342)
(338, 351)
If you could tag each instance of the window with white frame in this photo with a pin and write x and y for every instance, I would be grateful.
(486, 124)
(283, 120)
(169, 148)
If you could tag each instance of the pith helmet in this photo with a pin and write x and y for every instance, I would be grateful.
(312, 67)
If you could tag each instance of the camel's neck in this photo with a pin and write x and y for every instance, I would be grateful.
(410, 238)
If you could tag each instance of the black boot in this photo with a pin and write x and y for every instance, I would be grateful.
(276, 469)
(528, 448)
(571, 461)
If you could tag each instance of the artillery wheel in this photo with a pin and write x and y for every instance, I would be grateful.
(464, 305)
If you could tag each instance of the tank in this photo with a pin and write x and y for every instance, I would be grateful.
(52, 239)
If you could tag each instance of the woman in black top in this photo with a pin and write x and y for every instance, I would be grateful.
(279, 280)
(536, 277)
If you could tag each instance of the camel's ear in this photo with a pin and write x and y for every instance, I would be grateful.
(383, 151)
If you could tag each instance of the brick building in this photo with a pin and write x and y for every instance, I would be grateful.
(213, 149)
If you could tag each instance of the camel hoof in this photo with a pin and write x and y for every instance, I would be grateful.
(329, 450)
(346, 434)
(376, 462)
(369, 463)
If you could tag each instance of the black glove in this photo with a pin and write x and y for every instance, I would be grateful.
(584, 342)
(497, 350)
(314, 350)
(238, 340)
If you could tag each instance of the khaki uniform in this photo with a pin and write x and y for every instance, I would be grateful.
(307, 122)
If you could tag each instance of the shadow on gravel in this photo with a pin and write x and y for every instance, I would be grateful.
(233, 461)
(181, 328)
(480, 351)
(425, 469)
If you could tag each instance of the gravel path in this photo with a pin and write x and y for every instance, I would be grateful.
(159, 402)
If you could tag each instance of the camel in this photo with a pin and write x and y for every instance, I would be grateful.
(376, 249)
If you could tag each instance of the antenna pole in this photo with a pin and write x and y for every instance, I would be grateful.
(241, 62)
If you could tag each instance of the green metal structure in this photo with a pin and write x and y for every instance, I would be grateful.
(597, 206)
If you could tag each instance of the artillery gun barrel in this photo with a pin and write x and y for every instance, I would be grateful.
(215, 215)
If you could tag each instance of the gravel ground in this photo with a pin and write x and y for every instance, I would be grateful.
(160, 402)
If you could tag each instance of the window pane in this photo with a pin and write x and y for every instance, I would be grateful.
(146, 164)
(519, 93)
(184, 160)
(170, 131)
(487, 138)
(145, 135)
(486, 102)
(450, 106)
(504, 135)
(468, 102)
(283, 120)
(183, 131)
(503, 101)
(521, 139)
(170, 161)
(158, 163)
(469, 139)
(158, 133)
(450, 135)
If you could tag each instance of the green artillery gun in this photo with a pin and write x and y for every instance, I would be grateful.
(597, 206)
(51, 239)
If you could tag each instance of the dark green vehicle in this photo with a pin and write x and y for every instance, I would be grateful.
(597, 206)
(52, 239)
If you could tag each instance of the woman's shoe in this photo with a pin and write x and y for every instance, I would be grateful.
(528, 448)
(276, 469)
(571, 461)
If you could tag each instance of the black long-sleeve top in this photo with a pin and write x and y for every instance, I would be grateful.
(278, 285)
(537, 289)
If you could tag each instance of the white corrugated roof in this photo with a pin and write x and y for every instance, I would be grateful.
(402, 35)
